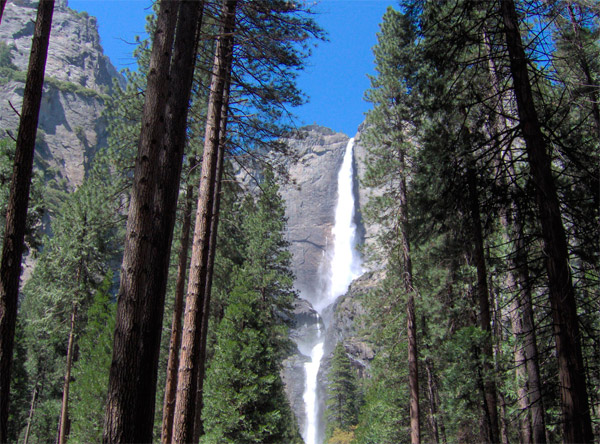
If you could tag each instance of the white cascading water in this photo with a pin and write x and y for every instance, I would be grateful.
(344, 267)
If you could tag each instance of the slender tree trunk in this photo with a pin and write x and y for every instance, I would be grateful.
(411, 323)
(214, 230)
(525, 432)
(532, 425)
(498, 339)
(532, 422)
(485, 321)
(175, 343)
(433, 400)
(32, 404)
(132, 383)
(185, 405)
(577, 425)
(64, 411)
(18, 201)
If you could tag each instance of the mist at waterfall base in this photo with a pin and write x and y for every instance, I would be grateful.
(342, 267)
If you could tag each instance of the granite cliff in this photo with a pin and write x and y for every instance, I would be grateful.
(78, 79)
(311, 198)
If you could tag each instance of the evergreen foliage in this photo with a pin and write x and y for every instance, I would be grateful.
(443, 97)
(91, 370)
(343, 399)
(245, 401)
(455, 202)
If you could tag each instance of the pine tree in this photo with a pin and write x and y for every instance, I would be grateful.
(90, 373)
(132, 386)
(16, 216)
(245, 401)
(576, 412)
(343, 400)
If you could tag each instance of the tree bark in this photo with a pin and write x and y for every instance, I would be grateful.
(411, 323)
(64, 411)
(574, 398)
(18, 201)
(532, 424)
(214, 230)
(31, 412)
(185, 405)
(175, 342)
(433, 400)
(132, 383)
(485, 321)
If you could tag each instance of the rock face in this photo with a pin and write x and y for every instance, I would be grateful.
(78, 78)
(311, 198)
(310, 201)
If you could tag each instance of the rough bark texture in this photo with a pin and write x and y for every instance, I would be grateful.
(16, 214)
(214, 230)
(130, 402)
(132, 383)
(175, 342)
(574, 399)
(485, 321)
(411, 323)
(432, 392)
(185, 405)
(532, 424)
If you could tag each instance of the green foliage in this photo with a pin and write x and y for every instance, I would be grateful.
(343, 397)
(90, 373)
(384, 416)
(244, 397)
(341, 437)
(71, 268)
(10, 72)
(37, 203)
(5, 56)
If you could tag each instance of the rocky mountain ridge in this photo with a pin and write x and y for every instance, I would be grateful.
(78, 78)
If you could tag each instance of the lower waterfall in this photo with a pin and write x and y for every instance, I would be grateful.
(344, 266)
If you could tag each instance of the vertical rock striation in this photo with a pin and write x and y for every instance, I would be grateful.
(78, 79)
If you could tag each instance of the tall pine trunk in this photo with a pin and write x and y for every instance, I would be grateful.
(485, 321)
(411, 323)
(532, 424)
(214, 230)
(433, 396)
(64, 410)
(32, 404)
(185, 405)
(132, 382)
(577, 425)
(175, 342)
(18, 201)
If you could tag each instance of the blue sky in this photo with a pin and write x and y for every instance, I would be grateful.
(335, 77)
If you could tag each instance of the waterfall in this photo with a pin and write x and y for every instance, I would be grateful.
(344, 267)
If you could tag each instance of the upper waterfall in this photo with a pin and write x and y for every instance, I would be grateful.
(345, 264)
